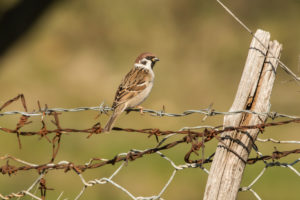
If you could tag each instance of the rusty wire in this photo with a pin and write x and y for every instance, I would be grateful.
(192, 136)
(196, 139)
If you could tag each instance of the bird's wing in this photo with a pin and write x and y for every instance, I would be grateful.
(133, 84)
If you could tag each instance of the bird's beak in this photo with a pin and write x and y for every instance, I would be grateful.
(155, 59)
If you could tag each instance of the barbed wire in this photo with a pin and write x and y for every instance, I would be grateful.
(67, 165)
(102, 108)
(272, 164)
(196, 137)
(189, 135)
(109, 180)
(160, 113)
(124, 157)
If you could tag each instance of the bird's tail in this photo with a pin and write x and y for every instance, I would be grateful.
(109, 125)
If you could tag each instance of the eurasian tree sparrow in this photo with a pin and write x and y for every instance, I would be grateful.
(134, 88)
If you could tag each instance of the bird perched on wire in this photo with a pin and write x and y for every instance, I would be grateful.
(134, 88)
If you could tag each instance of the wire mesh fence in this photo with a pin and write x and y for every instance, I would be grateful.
(196, 137)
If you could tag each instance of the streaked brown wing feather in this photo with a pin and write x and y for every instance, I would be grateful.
(134, 83)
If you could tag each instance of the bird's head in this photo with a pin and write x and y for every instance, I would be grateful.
(146, 60)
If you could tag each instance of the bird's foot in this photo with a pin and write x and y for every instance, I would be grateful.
(141, 109)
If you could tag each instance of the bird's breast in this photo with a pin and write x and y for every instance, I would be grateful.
(141, 97)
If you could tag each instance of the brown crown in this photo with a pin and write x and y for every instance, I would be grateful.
(143, 55)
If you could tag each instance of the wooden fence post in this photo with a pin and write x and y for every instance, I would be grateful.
(253, 94)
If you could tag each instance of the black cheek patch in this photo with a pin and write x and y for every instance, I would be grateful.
(152, 65)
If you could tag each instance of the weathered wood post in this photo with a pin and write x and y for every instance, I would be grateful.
(253, 94)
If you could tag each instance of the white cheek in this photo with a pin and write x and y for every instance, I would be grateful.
(148, 65)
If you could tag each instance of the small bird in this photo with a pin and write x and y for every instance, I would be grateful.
(134, 88)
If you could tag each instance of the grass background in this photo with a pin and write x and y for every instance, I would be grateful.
(77, 54)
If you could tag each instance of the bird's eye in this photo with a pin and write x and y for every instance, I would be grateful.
(149, 57)
(144, 62)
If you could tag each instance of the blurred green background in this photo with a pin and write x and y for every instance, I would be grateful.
(77, 53)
